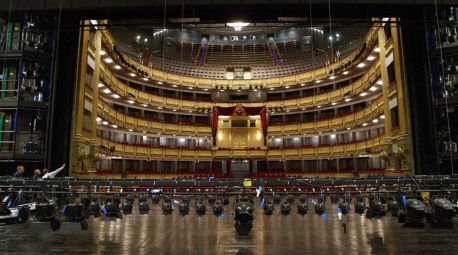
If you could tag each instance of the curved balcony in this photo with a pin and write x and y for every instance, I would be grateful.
(360, 85)
(155, 74)
(145, 152)
(107, 112)
(374, 110)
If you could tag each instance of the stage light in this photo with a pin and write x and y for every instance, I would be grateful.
(285, 208)
(111, 208)
(375, 121)
(107, 91)
(145, 79)
(373, 88)
(393, 206)
(317, 81)
(116, 96)
(167, 208)
(243, 216)
(200, 206)
(346, 72)
(160, 83)
(102, 52)
(108, 60)
(132, 74)
(302, 206)
(379, 82)
(277, 199)
(361, 65)
(127, 205)
(414, 213)
(360, 205)
(105, 123)
(143, 206)
(332, 77)
(114, 126)
(320, 207)
(347, 100)
(117, 67)
(365, 124)
(100, 85)
(377, 49)
(130, 101)
(237, 25)
(370, 58)
(218, 207)
(98, 119)
(268, 207)
(363, 94)
(183, 207)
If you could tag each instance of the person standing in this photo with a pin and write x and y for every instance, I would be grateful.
(19, 171)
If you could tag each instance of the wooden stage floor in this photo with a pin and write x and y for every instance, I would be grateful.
(277, 234)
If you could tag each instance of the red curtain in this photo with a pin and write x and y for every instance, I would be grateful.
(238, 111)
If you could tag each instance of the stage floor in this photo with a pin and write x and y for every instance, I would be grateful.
(277, 234)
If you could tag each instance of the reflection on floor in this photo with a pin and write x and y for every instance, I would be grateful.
(277, 234)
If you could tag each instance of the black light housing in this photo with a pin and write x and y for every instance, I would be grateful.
(200, 206)
(143, 206)
(243, 216)
(285, 208)
(218, 207)
(268, 207)
(320, 206)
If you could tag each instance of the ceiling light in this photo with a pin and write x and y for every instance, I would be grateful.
(145, 40)
(105, 123)
(131, 130)
(361, 65)
(375, 121)
(271, 88)
(364, 124)
(382, 117)
(377, 49)
(174, 110)
(144, 132)
(117, 67)
(346, 72)
(116, 96)
(317, 81)
(238, 25)
(302, 84)
(379, 82)
(144, 105)
(138, 37)
(114, 126)
(222, 90)
(98, 119)
(332, 77)
(160, 82)
(108, 60)
(286, 87)
(205, 89)
(348, 128)
(190, 111)
(347, 99)
(333, 103)
(159, 108)
(102, 52)
(318, 106)
(100, 85)
(132, 74)
(191, 88)
(370, 58)
(130, 101)
(363, 94)
(373, 88)
(145, 79)
(106, 91)
(174, 85)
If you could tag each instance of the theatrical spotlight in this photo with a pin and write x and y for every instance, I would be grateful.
(442, 212)
(375, 208)
(360, 205)
(285, 208)
(183, 206)
(93, 209)
(167, 207)
(303, 206)
(127, 205)
(200, 206)
(211, 199)
(243, 216)
(111, 208)
(74, 211)
(320, 207)
(218, 207)
(414, 213)
(155, 199)
(393, 206)
(344, 206)
(277, 199)
(268, 207)
(143, 206)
